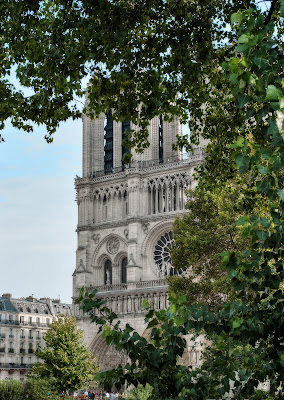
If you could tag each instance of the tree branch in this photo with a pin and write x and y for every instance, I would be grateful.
(269, 15)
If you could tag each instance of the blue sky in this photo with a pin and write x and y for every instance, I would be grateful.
(38, 214)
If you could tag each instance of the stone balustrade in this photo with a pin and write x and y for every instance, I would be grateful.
(128, 286)
(132, 303)
(125, 298)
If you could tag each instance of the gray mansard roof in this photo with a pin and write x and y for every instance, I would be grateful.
(32, 305)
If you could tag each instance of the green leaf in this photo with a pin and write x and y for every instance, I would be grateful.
(182, 300)
(226, 257)
(242, 162)
(263, 186)
(263, 170)
(273, 93)
(172, 309)
(243, 39)
(237, 323)
(264, 222)
(145, 304)
(179, 321)
(239, 143)
(280, 193)
(243, 99)
(262, 235)
(236, 18)
(281, 8)
(242, 220)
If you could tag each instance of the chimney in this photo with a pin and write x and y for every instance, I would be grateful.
(7, 295)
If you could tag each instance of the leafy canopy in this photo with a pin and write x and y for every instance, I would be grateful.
(66, 361)
(141, 59)
(207, 230)
(247, 331)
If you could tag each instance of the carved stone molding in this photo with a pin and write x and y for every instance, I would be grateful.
(96, 238)
(145, 227)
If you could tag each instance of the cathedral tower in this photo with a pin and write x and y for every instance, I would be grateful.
(125, 217)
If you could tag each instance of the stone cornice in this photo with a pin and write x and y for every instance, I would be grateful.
(149, 218)
(192, 161)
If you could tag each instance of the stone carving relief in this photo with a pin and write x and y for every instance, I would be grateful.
(145, 227)
(112, 245)
(96, 238)
(126, 233)
(107, 277)
(81, 267)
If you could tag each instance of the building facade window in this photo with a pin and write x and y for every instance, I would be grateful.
(124, 270)
(108, 148)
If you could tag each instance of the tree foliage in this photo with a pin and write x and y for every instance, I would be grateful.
(200, 237)
(11, 390)
(180, 58)
(140, 393)
(207, 230)
(247, 331)
(141, 59)
(66, 361)
(40, 388)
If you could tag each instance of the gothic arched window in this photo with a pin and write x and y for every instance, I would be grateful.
(123, 270)
(162, 257)
(108, 273)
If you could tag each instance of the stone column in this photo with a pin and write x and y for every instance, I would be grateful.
(156, 200)
(151, 201)
(167, 198)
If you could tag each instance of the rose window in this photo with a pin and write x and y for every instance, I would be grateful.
(162, 257)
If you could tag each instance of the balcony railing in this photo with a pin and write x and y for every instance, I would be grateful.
(39, 324)
(197, 155)
(25, 323)
(129, 286)
(11, 336)
(11, 350)
(2, 349)
(9, 322)
(2, 335)
(31, 351)
(22, 350)
(13, 365)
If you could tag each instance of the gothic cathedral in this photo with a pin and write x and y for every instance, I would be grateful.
(125, 218)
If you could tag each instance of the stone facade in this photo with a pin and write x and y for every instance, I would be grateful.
(23, 324)
(125, 218)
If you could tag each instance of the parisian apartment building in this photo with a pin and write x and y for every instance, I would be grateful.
(23, 324)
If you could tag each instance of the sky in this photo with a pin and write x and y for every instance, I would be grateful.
(38, 212)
